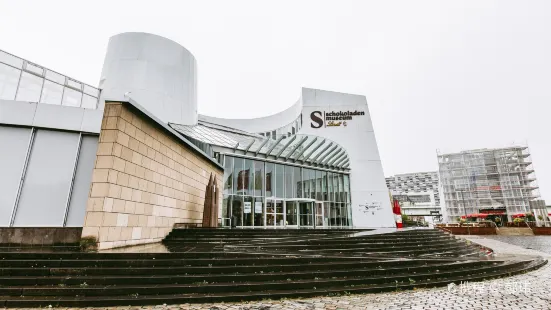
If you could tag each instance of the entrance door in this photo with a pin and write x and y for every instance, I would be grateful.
(291, 213)
(319, 214)
(306, 215)
(274, 213)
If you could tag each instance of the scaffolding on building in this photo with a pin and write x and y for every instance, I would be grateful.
(500, 180)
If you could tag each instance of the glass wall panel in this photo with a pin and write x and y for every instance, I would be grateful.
(291, 215)
(55, 77)
(333, 215)
(248, 177)
(312, 174)
(238, 177)
(319, 193)
(9, 78)
(71, 97)
(330, 192)
(11, 60)
(346, 179)
(228, 174)
(51, 93)
(89, 102)
(14, 142)
(270, 180)
(248, 209)
(81, 184)
(339, 215)
(48, 179)
(258, 178)
(306, 183)
(341, 196)
(30, 87)
(91, 91)
(279, 213)
(237, 210)
(306, 210)
(34, 69)
(297, 179)
(289, 184)
(279, 192)
(226, 210)
(326, 214)
(259, 212)
(324, 188)
(335, 180)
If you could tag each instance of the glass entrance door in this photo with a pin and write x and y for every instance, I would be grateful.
(319, 214)
(306, 215)
(275, 213)
(291, 213)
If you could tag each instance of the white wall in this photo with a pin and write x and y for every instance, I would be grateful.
(161, 75)
(261, 124)
(368, 184)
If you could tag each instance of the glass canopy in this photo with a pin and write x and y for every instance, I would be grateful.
(309, 149)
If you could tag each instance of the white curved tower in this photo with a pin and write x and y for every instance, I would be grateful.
(159, 74)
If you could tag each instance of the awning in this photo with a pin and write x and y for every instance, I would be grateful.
(309, 149)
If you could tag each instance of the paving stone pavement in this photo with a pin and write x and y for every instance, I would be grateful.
(531, 290)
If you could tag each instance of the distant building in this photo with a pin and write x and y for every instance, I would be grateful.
(418, 193)
(492, 181)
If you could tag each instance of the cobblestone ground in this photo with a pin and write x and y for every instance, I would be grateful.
(527, 291)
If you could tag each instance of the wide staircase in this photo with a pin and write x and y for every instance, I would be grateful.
(212, 265)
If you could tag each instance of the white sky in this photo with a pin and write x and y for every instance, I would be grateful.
(448, 75)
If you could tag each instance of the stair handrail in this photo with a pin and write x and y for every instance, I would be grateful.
(526, 222)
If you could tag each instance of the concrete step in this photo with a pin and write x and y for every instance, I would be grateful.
(301, 264)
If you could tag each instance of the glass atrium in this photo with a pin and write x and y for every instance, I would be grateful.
(267, 194)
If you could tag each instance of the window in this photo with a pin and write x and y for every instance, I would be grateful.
(55, 77)
(11, 60)
(297, 176)
(9, 78)
(30, 87)
(238, 176)
(258, 177)
(248, 177)
(71, 97)
(289, 184)
(228, 179)
(279, 192)
(89, 102)
(270, 180)
(51, 93)
(319, 192)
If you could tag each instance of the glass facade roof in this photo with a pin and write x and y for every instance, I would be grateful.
(305, 148)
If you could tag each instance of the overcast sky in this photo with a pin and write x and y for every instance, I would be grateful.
(448, 75)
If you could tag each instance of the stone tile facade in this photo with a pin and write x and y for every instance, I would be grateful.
(144, 181)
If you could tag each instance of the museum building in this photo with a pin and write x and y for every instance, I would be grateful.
(131, 156)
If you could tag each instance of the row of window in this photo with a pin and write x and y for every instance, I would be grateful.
(36, 84)
(258, 178)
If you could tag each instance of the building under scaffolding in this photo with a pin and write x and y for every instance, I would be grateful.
(498, 181)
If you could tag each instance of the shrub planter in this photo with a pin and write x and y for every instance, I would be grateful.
(542, 231)
(470, 230)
